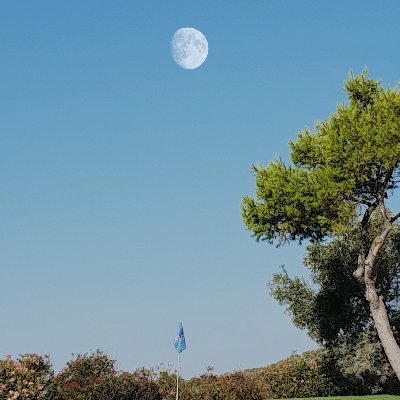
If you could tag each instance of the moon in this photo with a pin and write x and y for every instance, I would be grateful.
(189, 48)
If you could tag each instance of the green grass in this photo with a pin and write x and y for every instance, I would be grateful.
(373, 397)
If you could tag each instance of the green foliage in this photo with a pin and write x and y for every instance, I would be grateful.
(332, 307)
(340, 176)
(333, 304)
(84, 378)
(233, 386)
(299, 376)
(364, 362)
(166, 380)
(139, 385)
(27, 377)
(298, 297)
(349, 160)
(94, 377)
(363, 397)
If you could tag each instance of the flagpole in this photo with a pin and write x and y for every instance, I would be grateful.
(177, 380)
(180, 345)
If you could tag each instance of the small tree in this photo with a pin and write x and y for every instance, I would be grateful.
(342, 172)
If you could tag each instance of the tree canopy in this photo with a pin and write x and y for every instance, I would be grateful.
(341, 174)
(332, 307)
(350, 160)
(330, 304)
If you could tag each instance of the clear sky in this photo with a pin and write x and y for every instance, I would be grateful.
(122, 174)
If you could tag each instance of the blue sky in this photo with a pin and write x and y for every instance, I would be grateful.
(122, 174)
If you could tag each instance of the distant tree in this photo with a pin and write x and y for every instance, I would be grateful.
(342, 172)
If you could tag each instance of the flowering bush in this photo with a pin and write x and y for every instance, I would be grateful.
(83, 377)
(25, 378)
(95, 377)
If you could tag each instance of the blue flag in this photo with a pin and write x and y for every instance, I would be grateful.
(179, 341)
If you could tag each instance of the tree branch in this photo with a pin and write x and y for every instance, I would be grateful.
(365, 202)
(359, 272)
(377, 243)
(386, 181)
(394, 218)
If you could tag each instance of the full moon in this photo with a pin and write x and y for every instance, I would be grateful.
(189, 48)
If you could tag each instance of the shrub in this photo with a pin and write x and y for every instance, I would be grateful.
(28, 377)
(139, 385)
(83, 377)
(364, 361)
(234, 386)
(94, 377)
(166, 380)
(297, 376)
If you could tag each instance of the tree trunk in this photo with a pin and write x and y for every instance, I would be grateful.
(385, 333)
(366, 274)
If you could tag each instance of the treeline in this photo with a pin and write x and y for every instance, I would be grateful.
(96, 377)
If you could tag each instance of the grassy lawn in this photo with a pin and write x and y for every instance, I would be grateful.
(377, 397)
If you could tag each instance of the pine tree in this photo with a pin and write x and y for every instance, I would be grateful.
(341, 173)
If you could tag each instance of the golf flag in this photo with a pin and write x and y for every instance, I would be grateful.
(179, 341)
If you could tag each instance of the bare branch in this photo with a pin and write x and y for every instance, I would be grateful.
(394, 218)
(365, 202)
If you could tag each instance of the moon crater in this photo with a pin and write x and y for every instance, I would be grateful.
(189, 48)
